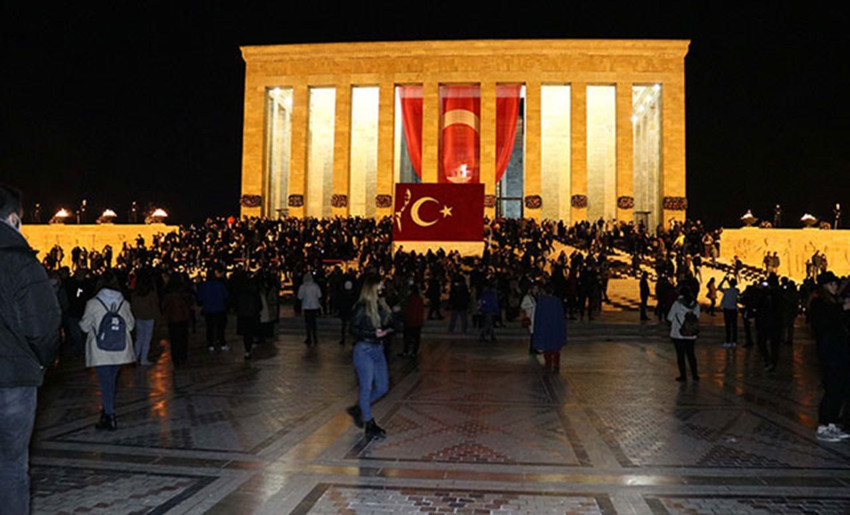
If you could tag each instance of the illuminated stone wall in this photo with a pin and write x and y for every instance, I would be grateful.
(579, 64)
(43, 237)
(793, 246)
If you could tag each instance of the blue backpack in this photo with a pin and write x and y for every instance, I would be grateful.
(112, 333)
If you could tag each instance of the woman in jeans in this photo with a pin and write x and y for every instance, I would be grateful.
(107, 362)
(684, 305)
(369, 325)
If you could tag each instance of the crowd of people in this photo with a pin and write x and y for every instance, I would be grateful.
(107, 303)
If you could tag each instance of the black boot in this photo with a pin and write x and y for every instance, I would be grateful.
(356, 415)
(107, 422)
(374, 431)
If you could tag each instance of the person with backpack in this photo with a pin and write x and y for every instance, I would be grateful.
(108, 320)
(684, 328)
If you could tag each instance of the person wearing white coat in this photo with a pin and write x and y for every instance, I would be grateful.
(107, 363)
(686, 303)
(310, 295)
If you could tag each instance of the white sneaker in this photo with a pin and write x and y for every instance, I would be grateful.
(824, 434)
(225, 347)
(211, 348)
(726, 345)
(837, 431)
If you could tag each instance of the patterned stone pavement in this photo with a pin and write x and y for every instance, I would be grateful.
(472, 428)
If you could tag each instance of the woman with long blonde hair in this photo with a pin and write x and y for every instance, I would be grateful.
(370, 323)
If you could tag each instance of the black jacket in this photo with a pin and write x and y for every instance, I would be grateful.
(362, 328)
(831, 335)
(29, 313)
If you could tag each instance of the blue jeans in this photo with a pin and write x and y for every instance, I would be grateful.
(458, 315)
(107, 376)
(144, 334)
(372, 374)
(17, 416)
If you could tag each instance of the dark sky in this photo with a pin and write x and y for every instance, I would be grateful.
(143, 100)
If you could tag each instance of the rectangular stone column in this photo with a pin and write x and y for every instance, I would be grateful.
(673, 150)
(531, 205)
(298, 157)
(578, 152)
(430, 130)
(625, 153)
(253, 133)
(342, 150)
(487, 135)
(386, 133)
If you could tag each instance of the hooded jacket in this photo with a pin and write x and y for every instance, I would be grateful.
(29, 313)
(90, 324)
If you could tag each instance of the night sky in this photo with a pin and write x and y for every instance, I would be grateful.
(143, 100)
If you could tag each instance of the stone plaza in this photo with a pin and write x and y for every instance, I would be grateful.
(472, 428)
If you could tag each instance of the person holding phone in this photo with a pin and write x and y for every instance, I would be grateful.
(370, 323)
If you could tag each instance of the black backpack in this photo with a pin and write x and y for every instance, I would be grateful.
(690, 325)
(112, 333)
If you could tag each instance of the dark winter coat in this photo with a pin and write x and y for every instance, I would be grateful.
(550, 329)
(831, 335)
(29, 313)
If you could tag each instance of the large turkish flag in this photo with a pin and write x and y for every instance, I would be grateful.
(438, 212)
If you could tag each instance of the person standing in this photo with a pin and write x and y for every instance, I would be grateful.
(144, 302)
(370, 323)
(529, 302)
(488, 304)
(310, 295)
(246, 294)
(102, 321)
(177, 308)
(29, 338)
(827, 312)
(413, 312)
(459, 302)
(644, 296)
(550, 330)
(769, 322)
(345, 303)
(729, 305)
(434, 293)
(213, 297)
(711, 295)
(684, 317)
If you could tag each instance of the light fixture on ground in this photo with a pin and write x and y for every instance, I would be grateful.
(158, 216)
(60, 217)
(748, 219)
(808, 220)
(107, 217)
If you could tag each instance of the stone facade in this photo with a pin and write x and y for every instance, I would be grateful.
(534, 63)
(793, 246)
(93, 237)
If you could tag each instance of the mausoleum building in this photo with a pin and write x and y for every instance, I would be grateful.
(557, 129)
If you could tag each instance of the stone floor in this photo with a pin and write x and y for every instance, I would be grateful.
(472, 428)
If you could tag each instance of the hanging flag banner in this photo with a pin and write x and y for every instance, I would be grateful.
(460, 127)
(438, 212)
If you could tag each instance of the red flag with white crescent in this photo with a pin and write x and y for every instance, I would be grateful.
(438, 212)
(460, 124)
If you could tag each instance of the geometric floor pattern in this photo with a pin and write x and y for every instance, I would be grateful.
(472, 428)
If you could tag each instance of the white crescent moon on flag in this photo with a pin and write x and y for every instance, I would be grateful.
(461, 116)
(414, 212)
